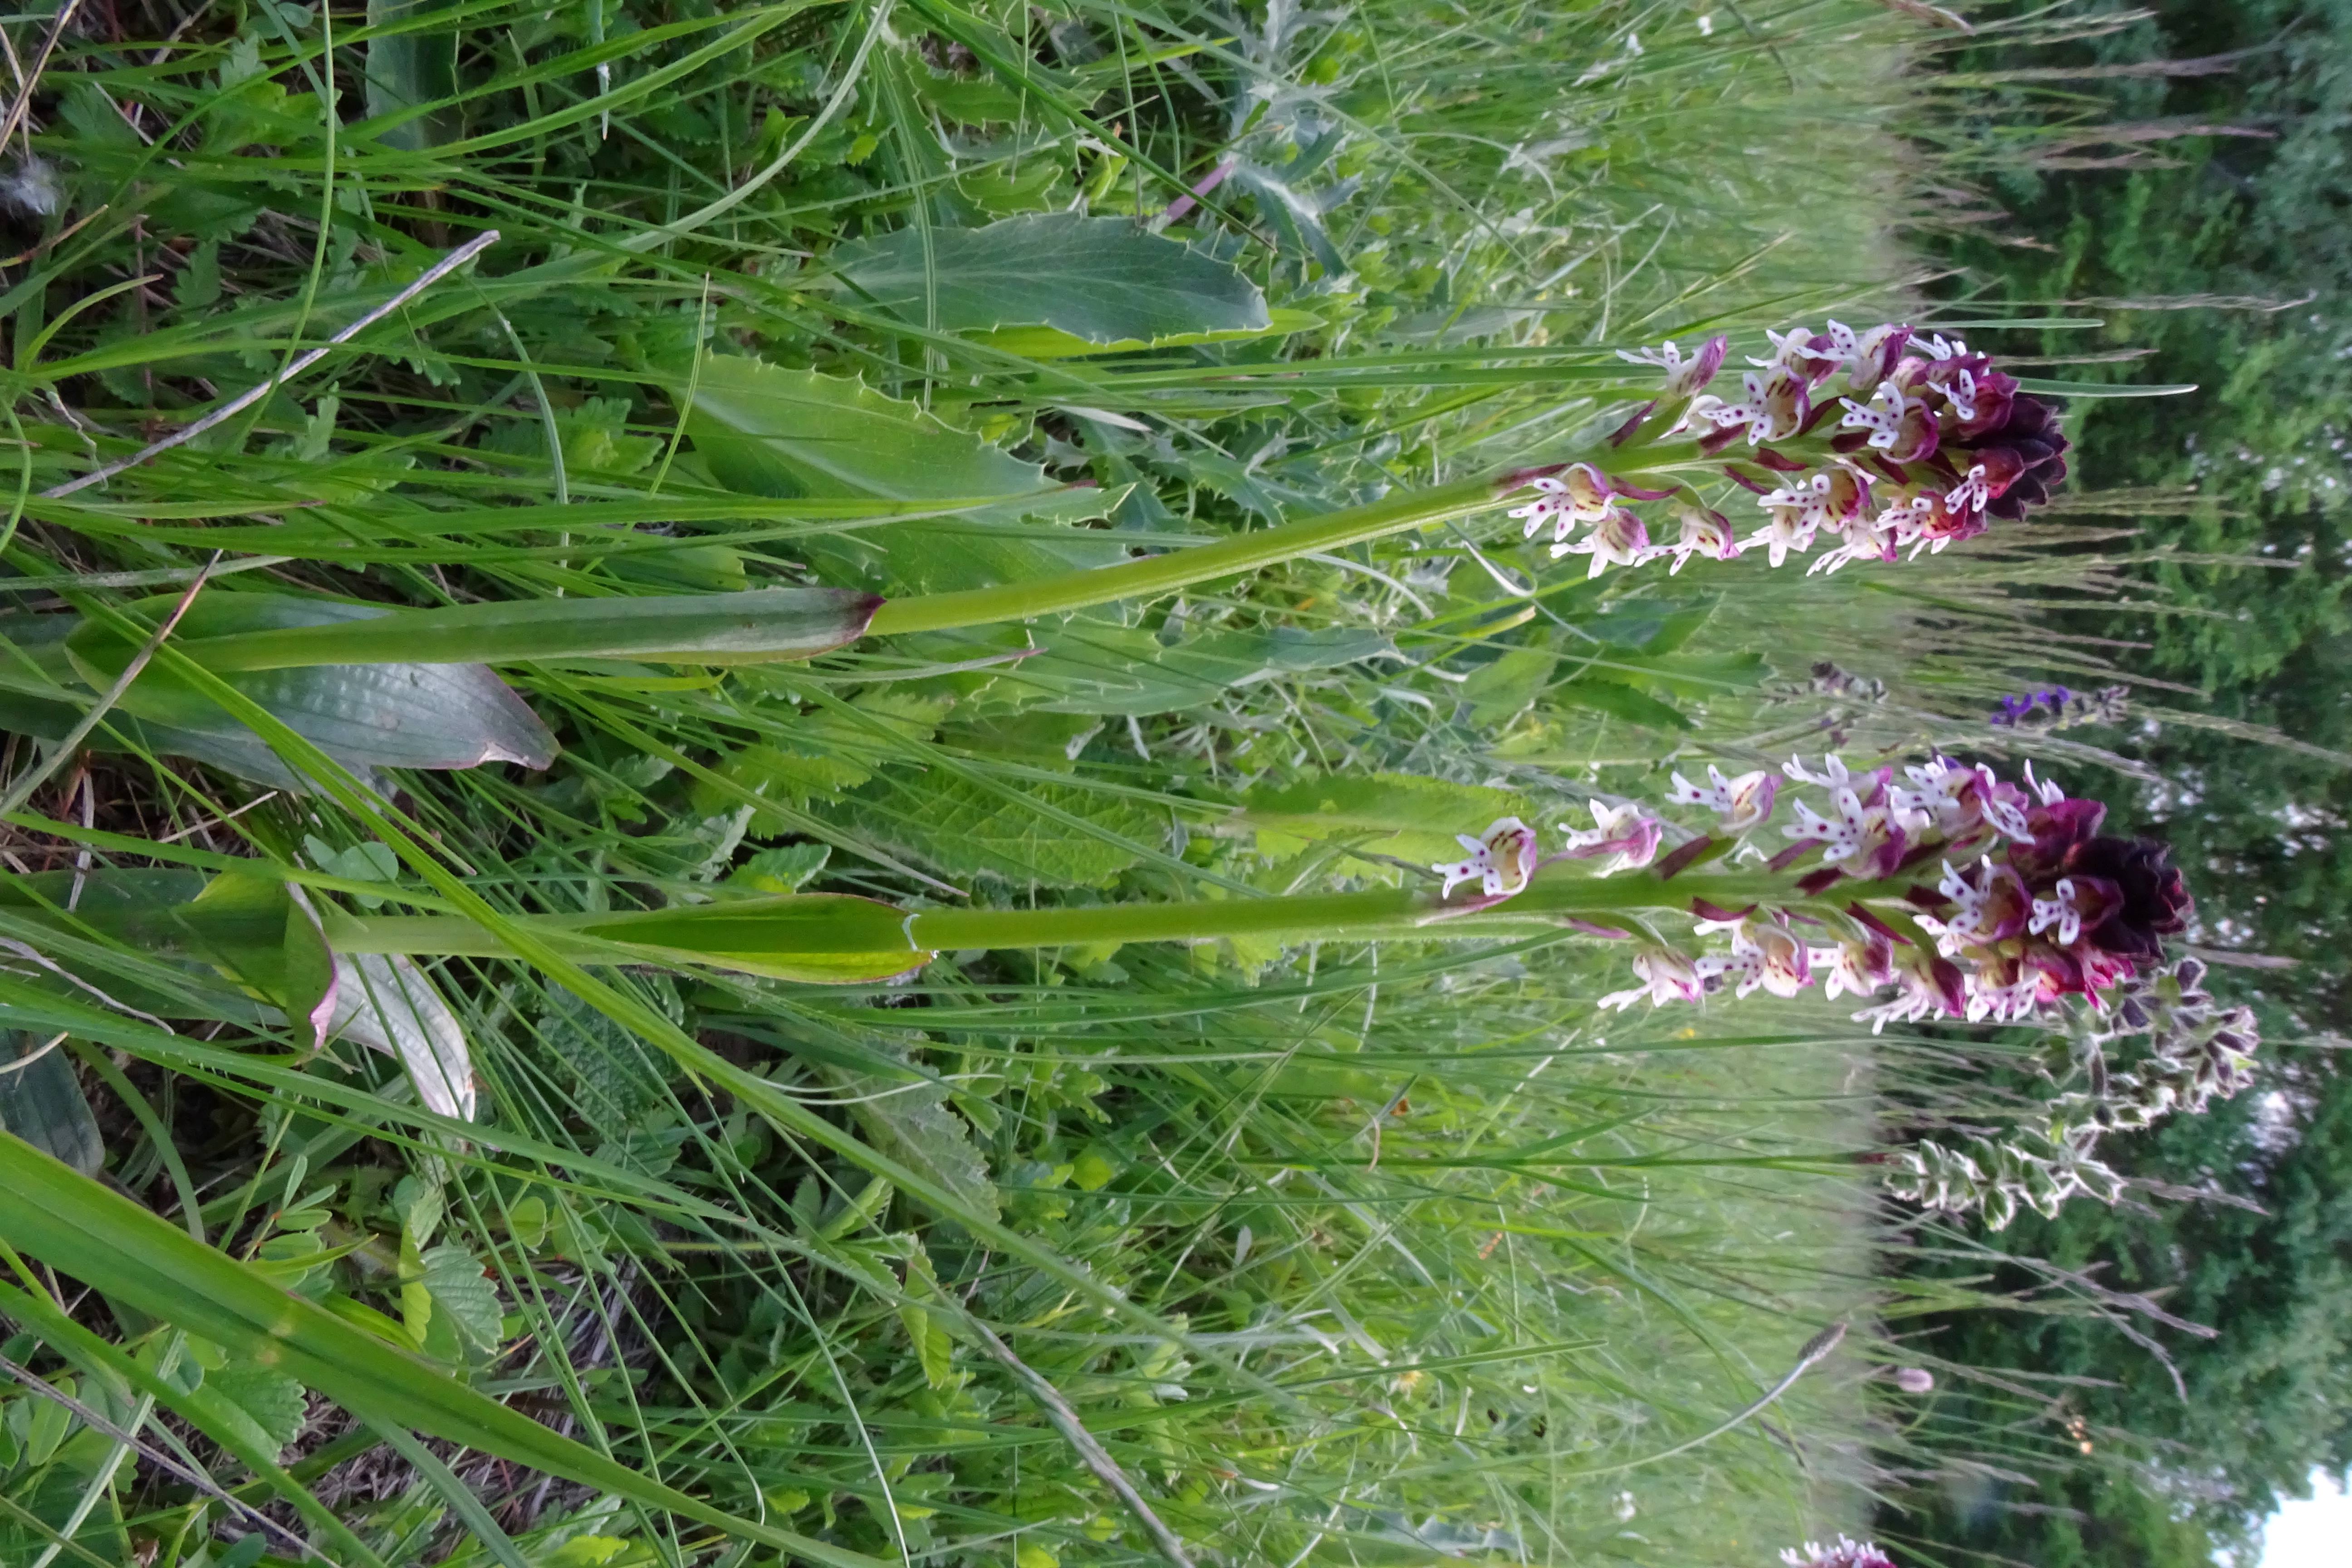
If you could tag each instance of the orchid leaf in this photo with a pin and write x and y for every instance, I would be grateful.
(832, 939)
(237, 914)
(446, 714)
(753, 626)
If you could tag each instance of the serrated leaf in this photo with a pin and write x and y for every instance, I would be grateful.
(965, 830)
(1103, 280)
(934, 1350)
(913, 1124)
(784, 870)
(767, 430)
(462, 1292)
(618, 1079)
(824, 753)
(273, 1404)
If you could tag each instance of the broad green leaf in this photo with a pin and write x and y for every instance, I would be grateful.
(408, 70)
(1692, 674)
(1101, 280)
(749, 628)
(236, 751)
(767, 430)
(82, 1228)
(1049, 343)
(42, 1102)
(1501, 691)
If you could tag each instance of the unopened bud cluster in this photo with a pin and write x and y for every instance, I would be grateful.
(1883, 441)
(2161, 1045)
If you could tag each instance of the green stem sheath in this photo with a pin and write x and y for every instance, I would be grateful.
(1183, 568)
(799, 925)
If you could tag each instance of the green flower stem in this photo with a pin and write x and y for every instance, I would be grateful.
(1183, 568)
(778, 927)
